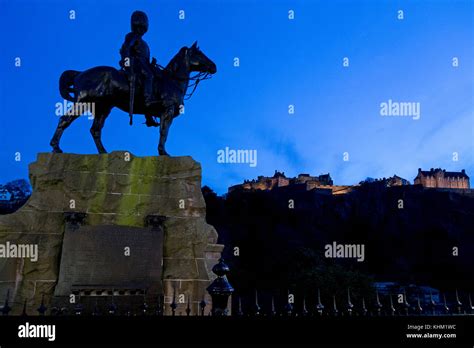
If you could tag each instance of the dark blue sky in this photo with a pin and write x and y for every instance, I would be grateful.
(282, 62)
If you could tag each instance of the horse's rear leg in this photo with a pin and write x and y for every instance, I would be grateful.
(64, 122)
(96, 129)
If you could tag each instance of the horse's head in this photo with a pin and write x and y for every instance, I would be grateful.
(188, 60)
(198, 61)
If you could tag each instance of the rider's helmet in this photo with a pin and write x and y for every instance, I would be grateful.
(139, 22)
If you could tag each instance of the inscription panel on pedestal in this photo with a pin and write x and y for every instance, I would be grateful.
(111, 257)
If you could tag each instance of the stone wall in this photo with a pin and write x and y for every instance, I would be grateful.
(112, 189)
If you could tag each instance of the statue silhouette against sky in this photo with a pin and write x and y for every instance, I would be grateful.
(139, 87)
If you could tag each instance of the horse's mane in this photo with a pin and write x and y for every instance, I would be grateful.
(173, 64)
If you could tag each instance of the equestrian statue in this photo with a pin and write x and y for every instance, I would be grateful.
(138, 87)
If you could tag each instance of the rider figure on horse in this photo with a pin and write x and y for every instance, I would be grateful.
(135, 59)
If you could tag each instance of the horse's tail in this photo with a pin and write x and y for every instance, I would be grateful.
(66, 83)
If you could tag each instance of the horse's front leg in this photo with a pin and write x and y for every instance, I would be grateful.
(165, 124)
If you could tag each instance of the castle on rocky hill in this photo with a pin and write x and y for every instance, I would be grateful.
(435, 178)
(305, 181)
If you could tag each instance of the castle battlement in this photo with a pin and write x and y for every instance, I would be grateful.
(279, 179)
(435, 178)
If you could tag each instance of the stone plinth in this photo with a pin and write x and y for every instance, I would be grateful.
(116, 189)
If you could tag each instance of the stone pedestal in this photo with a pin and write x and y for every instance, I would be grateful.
(106, 191)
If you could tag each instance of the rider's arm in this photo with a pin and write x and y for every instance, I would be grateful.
(130, 41)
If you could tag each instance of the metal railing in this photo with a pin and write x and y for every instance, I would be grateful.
(263, 304)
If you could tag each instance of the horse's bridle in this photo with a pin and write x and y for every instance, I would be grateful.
(200, 76)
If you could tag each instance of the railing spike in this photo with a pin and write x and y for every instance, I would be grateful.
(350, 306)
(319, 306)
(364, 308)
(288, 306)
(471, 307)
(304, 312)
(42, 308)
(446, 308)
(202, 305)
(378, 304)
(418, 306)
(406, 305)
(23, 313)
(6, 307)
(257, 307)
(188, 307)
(273, 309)
(334, 308)
(173, 304)
(239, 313)
(392, 308)
(458, 303)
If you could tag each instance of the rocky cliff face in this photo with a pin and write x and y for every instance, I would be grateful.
(112, 189)
(409, 233)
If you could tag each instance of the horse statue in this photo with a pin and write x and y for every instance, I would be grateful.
(105, 87)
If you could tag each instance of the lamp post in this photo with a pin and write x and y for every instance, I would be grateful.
(220, 289)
